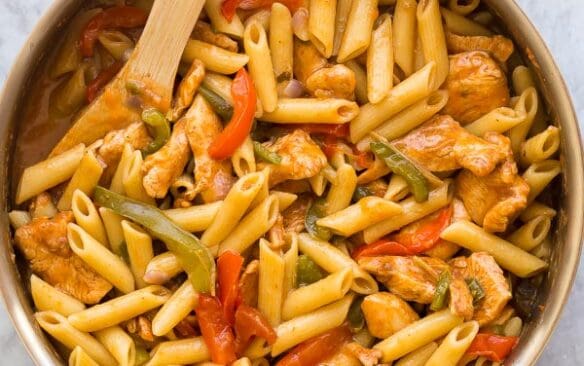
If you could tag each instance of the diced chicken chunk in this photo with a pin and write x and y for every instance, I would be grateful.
(248, 284)
(110, 151)
(213, 178)
(461, 299)
(476, 85)
(367, 356)
(295, 214)
(205, 33)
(482, 267)
(186, 90)
(442, 145)
(44, 244)
(494, 200)
(411, 278)
(301, 157)
(308, 60)
(497, 46)
(386, 314)
(163, 167)
(337, 81)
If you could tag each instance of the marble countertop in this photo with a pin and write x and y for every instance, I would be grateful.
(561, 24)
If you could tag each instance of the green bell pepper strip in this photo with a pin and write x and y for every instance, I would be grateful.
(157, 121)
(441, 292)
(401, 166)
(266, 155)
(316, 211)
(194, 256)
(307, 271)
(218, 104)
(476, 290)
(361, 192)
(355, 315)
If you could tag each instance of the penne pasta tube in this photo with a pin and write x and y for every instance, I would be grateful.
(117, 183)
(536, 209)
(411, 211)
(417, 334)
(408, 119)
(380, 60)
(321, 25)
(133, 177)
(360, 81)
(290, 259)
(281, 41)
(236, 203)
(432, 38)
(48, 173)
(357, 35)
(418, 86)
(522, 79)
(332, 259)
(358, 216)
(539, 175)
(243, 159)
(220, 23)
(178, 306)
(215, 58)
(499, 120)
(119, 309)
(307, 110)
(541, 146)
(252, 226)
(341, 18)
(108, 265)
(311, 297)
(260, 65)
(285, 199)
(119, 344)
(195, 218)
(80, 358)
(318, 183)
(43, 206)
(419, 356)
(19, 218)
(70, 95)
(341, 193)
(404, 34)
(271, 283)
(59, 328)
(465, 8)
(140, 252)
(306, 326)
(112, 222)
(221, 85)
(84, 179)
(261, 16)
(181, 352)
(532, 233)
(48, 298)
(528, 102)
(461, 25)
(115, 42)
(87, 217)
(162, 268)
(397, 189)
(258, 348)
(474, 238)
(454, 345)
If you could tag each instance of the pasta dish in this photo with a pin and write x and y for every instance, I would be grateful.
(291, 183)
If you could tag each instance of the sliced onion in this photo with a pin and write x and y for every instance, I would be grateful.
(300, 23)
(293, 89)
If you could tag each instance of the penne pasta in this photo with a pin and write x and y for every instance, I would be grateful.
(80, 358)
(536, 209)
(498, 120)
(195, 218)
(458, 24)
(180, 352)
(220, 23)
(85, 179)
(360, 81)
(271, 283)
(541, 146)
(306, 110)
(112, 222)
(380, 60)
(162, 268)
(532, 233)
(404, 35)
(260, 65)
(321, 25)
(539, 175)
(281, 42)
(215, 58)
(357, 35)
(133, 177)
(465, 8)
(178, 306)
(71, 93)
(397, 189)
(221, 85)
(119, 344)
(507, 255)
(342, 16)
(117, 183)
(290, 259)
(432, 38)
(262, 17)
(340, 194)
(454, 345)
(243, 159)
(419, 356)
(139, 248)
(87, 217)
(528, 103)
(48, 298)
(116, 43)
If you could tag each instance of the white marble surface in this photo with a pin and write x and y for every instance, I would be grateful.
(561, 23)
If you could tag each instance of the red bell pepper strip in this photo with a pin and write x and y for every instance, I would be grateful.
(239, 127)
(317, 349)
(216, 332)
(494, 347)
(380, 247)
(228, 7)
(229, 267)
(249, 322)
(424, 234)
(102, 79)
(111, 18)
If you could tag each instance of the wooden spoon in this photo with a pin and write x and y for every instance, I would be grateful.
(152, 67)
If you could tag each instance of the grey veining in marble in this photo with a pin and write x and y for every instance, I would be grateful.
(561, 23)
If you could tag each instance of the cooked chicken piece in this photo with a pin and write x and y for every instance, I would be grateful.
(337, 81)
(497, 46)
(248, 284)
(386, 314)
(367, 356)
(205, 33)
(446, 249)
(378, 187)
(213, 178)
(42, 206)
(482, 267)
(405, 277)
(186, 90)
(110, 151)
(295, 214)
(276, 234)
(442, 145)
(44, 244)
(460, 302)
(140, 326)
(343, 357)
(163, 167)
(185, 328)
(301, 157)
(476, 85)
(494, 200)
(308, 60)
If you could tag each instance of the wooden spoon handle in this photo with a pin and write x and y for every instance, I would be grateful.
(157, 55)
